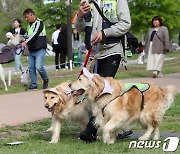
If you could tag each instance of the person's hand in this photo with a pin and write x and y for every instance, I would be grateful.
(23, 44)
(84, 8)
(97, 38)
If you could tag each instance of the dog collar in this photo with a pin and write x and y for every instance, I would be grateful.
(80, 99)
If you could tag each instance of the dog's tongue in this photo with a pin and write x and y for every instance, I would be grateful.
(78, 92)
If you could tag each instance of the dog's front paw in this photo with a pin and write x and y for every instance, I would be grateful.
(110, 142)
(99, 137)
(106, 139)
(156, 137)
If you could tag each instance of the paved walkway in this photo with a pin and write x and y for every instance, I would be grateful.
(21, 108)
(26, 107)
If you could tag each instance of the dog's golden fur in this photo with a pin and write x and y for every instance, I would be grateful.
(63, 107)
(114, 116)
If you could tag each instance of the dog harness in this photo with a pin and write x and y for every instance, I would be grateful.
(128, 86)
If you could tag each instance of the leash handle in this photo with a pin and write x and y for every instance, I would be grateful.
(86, 61)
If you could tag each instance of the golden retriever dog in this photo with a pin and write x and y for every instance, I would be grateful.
(115, 113)
(64, 105)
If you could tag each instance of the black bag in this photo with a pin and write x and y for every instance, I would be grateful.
(6, 55)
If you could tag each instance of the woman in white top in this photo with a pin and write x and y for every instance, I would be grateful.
(17, 30)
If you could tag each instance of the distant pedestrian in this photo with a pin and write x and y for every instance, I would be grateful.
(156, 45)
(140, 49)
(62, 41)
(17, 32)
(36, 42)
(55, 45)
(76, 45)
(82, 50)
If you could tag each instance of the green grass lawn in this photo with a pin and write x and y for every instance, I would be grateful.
(36, 142)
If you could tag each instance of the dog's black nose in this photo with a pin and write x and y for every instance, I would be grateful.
(46, 105)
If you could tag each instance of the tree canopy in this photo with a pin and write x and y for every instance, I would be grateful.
(51, 14)
(142, 12)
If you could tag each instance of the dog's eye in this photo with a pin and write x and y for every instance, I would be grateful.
(79, 79)
(52, 97)
(45, 97)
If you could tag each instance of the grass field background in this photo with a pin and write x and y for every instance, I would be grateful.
(134, 71)
(36, 141)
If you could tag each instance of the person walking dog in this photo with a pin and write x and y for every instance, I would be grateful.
(104, 35)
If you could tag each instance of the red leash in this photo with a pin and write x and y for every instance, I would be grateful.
(86, 61)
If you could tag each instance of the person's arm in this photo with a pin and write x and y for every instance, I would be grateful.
(35, 34)
(124, 23)
(79, 23)
(166, 39)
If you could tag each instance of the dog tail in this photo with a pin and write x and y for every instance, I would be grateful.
(170, 92)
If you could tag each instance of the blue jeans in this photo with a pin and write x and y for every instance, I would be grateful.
(36, 62)
(18, 65)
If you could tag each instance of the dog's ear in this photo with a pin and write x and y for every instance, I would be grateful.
(87, 74)
(62, 99)
(99, 81)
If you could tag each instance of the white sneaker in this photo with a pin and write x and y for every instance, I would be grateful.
(154, 74)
